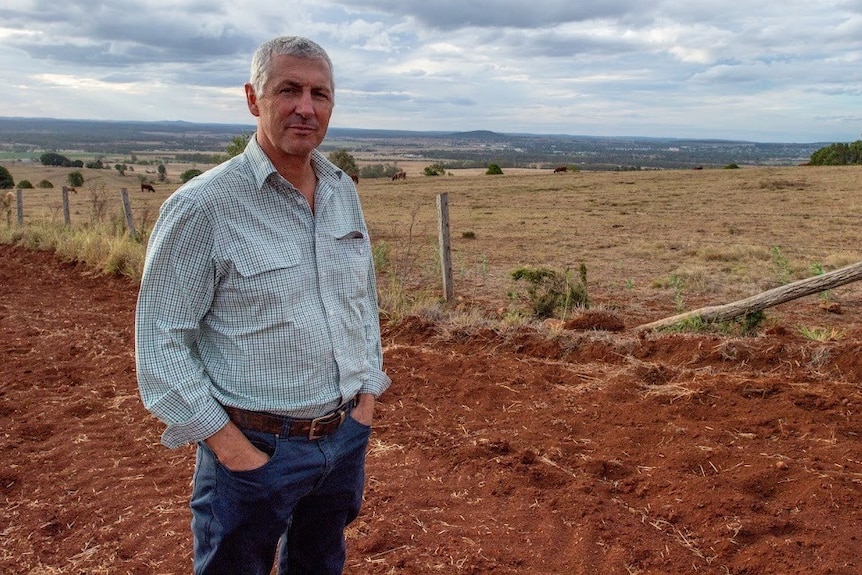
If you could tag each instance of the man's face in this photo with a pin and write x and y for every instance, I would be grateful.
(294, 109)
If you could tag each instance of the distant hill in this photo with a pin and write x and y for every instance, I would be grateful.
(455, 149)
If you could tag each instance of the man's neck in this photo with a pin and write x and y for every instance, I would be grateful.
(298, 170)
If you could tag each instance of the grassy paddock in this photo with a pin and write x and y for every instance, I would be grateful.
(674, 239)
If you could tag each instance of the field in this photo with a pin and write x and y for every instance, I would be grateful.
(503, 446)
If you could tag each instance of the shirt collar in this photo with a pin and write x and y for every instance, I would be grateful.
(262, 166)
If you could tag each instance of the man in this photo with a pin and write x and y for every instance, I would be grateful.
(257, 332)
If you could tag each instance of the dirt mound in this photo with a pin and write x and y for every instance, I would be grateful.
(576, 451)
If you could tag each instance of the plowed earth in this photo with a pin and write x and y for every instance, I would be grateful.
(533, 451)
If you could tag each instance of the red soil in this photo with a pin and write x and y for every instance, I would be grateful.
(584, 452)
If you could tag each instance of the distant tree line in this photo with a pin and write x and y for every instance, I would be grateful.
(838, 154)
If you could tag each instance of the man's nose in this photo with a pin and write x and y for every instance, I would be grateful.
(305, 105)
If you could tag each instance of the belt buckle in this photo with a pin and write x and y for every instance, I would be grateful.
(325, 420)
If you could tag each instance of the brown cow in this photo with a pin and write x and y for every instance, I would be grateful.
(355, 178)
(559, 169)
(399, 176)
(147, 188)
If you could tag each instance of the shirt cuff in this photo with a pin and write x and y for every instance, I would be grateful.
(194, 430)
(376, 384)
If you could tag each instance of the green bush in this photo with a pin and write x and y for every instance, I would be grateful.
(45, 184)
(549, 291)
(494, 170)
(731, 167)
(189, 174)
(6, 181)
(75, 179)
(25, 185)
(435, 170)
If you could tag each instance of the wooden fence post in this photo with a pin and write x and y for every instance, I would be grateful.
(66, 219)
(20, 198)
(445, 247)
(127, 209)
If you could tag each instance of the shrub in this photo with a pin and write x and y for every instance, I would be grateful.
(45, 184)
(731, 167)
(494, 170)
(548, 290)
(6, 181)
(25, 185)
(189, 174)
(75, 179)
(435, 170)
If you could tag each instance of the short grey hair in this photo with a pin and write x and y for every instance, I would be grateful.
(296, 46)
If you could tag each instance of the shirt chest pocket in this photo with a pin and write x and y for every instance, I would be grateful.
(267, 279)
(349, 265)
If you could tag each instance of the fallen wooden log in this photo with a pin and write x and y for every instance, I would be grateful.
(773, 297)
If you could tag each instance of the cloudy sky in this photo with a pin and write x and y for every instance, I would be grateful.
(768, 71)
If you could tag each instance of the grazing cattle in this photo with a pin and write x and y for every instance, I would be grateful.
(147, 188)
(559, 169)
(355, 178)
(399, 176)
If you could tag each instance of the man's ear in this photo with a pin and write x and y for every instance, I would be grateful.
(251, 100)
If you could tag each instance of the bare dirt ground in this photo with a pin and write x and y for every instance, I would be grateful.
(571, 452)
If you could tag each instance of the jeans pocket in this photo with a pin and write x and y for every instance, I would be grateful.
(253, 479)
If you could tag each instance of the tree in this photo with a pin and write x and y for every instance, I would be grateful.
(6, 181)
(237, 145)
(189, 174)
(121, 169)
(75, 179)
(163, 172)
(344, 161)
(494, 170)
(52, 159)
(838, 154)
(25, 185)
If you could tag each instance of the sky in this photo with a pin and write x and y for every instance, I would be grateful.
(766, 71)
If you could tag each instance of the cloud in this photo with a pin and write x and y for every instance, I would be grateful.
(605, 67)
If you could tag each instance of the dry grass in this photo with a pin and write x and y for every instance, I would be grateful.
(679, 237)
(715, 230)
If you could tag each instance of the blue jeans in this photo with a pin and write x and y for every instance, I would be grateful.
(303, 497)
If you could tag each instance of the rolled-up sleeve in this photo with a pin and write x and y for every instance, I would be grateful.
(176, 292)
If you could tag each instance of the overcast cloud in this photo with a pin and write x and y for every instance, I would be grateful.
(769, 71)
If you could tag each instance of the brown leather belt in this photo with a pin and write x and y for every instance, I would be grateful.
(281, 425)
